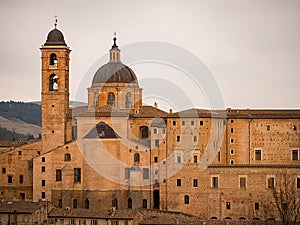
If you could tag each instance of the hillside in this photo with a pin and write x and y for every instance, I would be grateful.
(27, 112)
(19, 121)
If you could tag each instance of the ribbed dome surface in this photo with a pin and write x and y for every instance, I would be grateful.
(55, 37)
(114, 72)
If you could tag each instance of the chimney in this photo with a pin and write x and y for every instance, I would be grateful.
(171, 111)
(155, 104)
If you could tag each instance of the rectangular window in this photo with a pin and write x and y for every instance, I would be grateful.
(195, 159)
(243, 182)
(219, 156)
(174, 123)
(43, 169)
(75, 203)
(178, 138)
(93, 222)
(145, 173)
(19, 153)
(156, 143)
(231, 151)
(58, 175)
(294, 127)
(192, 123)
(195, 182)
(3, 170)
(232, 130)
(72, 222)
(295, 155)
(22, 195)
(298, 182)
(183, 123)
(155, 130)
(43, 194)
(163, 130)
(21, 179)
(268, 127)
(77, 174)
(231, 121)
(60, 203)
(201, 122)
(271, 182)
(155, 159)
(195, 139)
(178, 158)
(215, 182)
(127, 173)
(156, 172)
(228, 205)
(43, 159)
(231, 140)
(178, 182)
(256, 206)
(9, 179)
(257, 154)
(30, 164)
(43, 183)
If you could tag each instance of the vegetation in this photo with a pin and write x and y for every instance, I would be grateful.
(27, 112)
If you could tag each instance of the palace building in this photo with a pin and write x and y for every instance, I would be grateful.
(118, 153)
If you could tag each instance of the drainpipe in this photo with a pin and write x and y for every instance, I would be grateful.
(249, 139)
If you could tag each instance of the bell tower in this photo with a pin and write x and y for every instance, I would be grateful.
(55, 90)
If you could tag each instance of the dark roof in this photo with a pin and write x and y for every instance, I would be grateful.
(90, 213)
(109, 111)
(114, 72)
(101, 130)
(55, 37)
(25, 207)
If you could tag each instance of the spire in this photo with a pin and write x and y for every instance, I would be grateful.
(115, 41)
(115, 51)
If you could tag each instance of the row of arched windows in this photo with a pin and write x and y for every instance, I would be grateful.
(111, 100)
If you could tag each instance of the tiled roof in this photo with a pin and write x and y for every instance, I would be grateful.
(147, 112)
(151, 112)
(90, 213)
(168, 218)
(18, 206)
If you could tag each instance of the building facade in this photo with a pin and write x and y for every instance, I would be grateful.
(118, 153)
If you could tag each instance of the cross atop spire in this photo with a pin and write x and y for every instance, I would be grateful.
(115, 40)
(55, 23)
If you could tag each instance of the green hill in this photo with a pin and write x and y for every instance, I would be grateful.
(27, 112)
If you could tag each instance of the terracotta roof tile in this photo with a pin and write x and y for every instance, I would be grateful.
(18, 206)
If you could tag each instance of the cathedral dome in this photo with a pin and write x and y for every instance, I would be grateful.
(55, 37)
(114, 72)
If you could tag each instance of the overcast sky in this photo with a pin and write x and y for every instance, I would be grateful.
(251, 47)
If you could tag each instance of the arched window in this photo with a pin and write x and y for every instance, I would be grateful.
(144, 132)
(144, 203)
(86, 203)
(114, 203)
(128, 102)
(136, 157)
(53, 82)
(186, 199)
(111, 99)
(53, 59)
(96, 100)
(67, 157)
(129, 203)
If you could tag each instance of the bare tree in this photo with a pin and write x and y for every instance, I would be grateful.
(285, 201)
